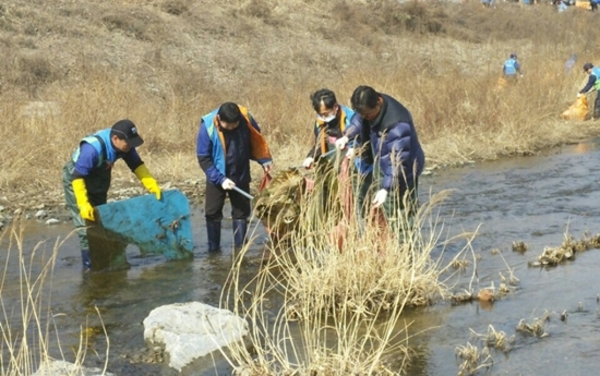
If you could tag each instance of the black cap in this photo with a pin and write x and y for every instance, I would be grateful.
(587, 66)
(126, 130)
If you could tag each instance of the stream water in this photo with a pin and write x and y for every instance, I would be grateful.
(531, 199)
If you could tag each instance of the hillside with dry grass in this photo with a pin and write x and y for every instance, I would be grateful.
(69, 68)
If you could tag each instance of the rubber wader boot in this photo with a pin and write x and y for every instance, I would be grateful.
(240, 227)
(213, 232)
(86, 260)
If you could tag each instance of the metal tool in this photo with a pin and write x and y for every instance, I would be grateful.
(245, 194)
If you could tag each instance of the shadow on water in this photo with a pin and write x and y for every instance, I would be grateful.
(534, 200)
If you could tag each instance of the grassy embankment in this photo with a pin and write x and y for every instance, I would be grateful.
(165, 63)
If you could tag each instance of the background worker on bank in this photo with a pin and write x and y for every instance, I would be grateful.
(511, 67)
(86, 177)
(228, 139)
(593, 82)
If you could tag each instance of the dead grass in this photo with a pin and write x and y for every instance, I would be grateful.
(165, 63)
(28, 331)
(330, 297)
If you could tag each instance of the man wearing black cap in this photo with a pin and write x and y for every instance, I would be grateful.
(86, 177)
(593, 82)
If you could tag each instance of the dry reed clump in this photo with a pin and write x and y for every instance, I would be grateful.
(487, 295)
(495, 339)
(27, 324)
(537, 328)
(330, 242)
(341, 285)
(519, 247)
(472, 359)
(568, 250)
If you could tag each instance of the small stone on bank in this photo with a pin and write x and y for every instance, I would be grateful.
(52, 221)
(41, 214)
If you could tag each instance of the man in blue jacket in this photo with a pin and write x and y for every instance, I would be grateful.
(390, 144)
(593, 82)
(86, 177)
(228, 139)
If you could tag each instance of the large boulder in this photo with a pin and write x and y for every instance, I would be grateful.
(192, 330)
(62, 368)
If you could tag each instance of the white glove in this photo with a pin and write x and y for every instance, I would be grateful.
(340, 143)
(227, 185)
(380, 198)
(350, 153)
(307, 163)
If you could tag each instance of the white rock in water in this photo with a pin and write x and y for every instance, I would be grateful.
(61, 368)
(1, 208)
(52, 221)
(191, 330)
(18, 211)
(41, 214)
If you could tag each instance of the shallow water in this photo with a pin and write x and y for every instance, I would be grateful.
(533, 199)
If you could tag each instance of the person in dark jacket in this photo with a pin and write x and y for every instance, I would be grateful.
(228, 139)
(86, 177)
(593, 82)
(385, 129)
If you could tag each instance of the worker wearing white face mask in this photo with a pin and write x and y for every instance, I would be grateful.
(332, 120)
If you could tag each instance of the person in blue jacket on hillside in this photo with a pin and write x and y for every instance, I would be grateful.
(511, 67)
(86, 176)
(593, 82)
(385, 129)
(228, 139)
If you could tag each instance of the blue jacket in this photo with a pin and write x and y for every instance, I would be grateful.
(392, 136)
(97, 152)
(511, 67)
(226, 154)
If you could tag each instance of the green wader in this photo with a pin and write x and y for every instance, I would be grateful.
(112, 253)
(97, 184)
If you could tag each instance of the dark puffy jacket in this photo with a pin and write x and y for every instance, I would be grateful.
(392, 136)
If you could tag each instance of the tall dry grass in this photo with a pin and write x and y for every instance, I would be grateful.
(321, 307)
(29, 336)
(165, 63)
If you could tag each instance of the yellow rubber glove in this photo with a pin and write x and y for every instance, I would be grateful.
(147, 180)
(86, 210)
